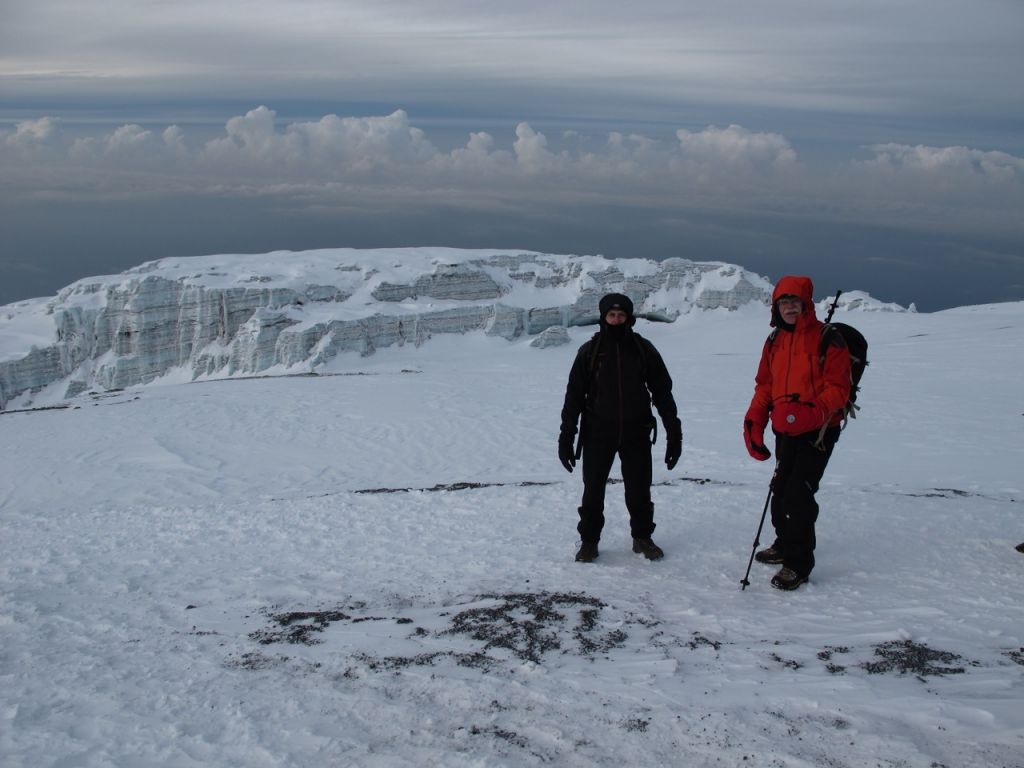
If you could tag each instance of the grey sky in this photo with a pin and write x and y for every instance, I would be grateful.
(875, 142)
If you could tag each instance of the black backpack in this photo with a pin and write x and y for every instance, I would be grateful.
(857, 347)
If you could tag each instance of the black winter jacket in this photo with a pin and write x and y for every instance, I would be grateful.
(613, 387)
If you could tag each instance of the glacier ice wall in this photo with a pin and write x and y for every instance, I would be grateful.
(218, 316)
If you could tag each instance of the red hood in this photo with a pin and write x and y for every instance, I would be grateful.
(795, 285)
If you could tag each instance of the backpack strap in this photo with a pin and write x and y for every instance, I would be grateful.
(592, 351)
(830, 336)
(595, 347)
(641, 349)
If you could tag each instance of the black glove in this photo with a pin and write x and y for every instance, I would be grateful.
(673, 449)
(566, 454)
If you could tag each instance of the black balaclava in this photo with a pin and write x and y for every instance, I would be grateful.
(616, 301)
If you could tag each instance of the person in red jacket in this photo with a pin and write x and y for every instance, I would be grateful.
(801, 387)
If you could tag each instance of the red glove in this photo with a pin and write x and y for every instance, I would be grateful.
(791, 418)
(753, 434)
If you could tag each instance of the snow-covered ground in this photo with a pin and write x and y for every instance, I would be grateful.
(198, 574)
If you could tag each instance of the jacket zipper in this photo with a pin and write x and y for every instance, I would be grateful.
(618, 366)
(789, 362)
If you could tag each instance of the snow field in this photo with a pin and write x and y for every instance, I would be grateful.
(152, 538)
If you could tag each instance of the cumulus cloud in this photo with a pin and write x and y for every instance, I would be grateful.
(735, 148)
(532, 154)
(954, 163)
(387, 160)
(129, 138)
(174, 140)
(129, 148)
(330, 146)
(479, 156)
(250, 137)
(32, 133)
(941, 187)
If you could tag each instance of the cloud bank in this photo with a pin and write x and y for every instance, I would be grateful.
(385, 161)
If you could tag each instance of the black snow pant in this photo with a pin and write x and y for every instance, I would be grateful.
(798, 473)
(635, 460)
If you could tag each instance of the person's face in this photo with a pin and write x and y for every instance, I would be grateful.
(790, 308)
(616, 317)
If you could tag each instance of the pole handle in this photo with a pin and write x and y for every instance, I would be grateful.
(832, 309)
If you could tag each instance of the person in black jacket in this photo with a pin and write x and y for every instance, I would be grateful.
(614, 379)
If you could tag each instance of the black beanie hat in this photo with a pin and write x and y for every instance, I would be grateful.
(616, 301)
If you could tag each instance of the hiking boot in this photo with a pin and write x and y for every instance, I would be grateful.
(769, 555)
(787, 579)
(587, 552)
(648, 549)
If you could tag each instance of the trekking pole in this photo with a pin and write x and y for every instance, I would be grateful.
(745, 581)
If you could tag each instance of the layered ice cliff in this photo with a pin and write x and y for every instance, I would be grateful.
(225, 315)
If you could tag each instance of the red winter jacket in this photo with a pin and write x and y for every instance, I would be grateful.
(791, 362)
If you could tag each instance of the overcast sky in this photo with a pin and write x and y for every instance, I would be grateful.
(873, 145)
